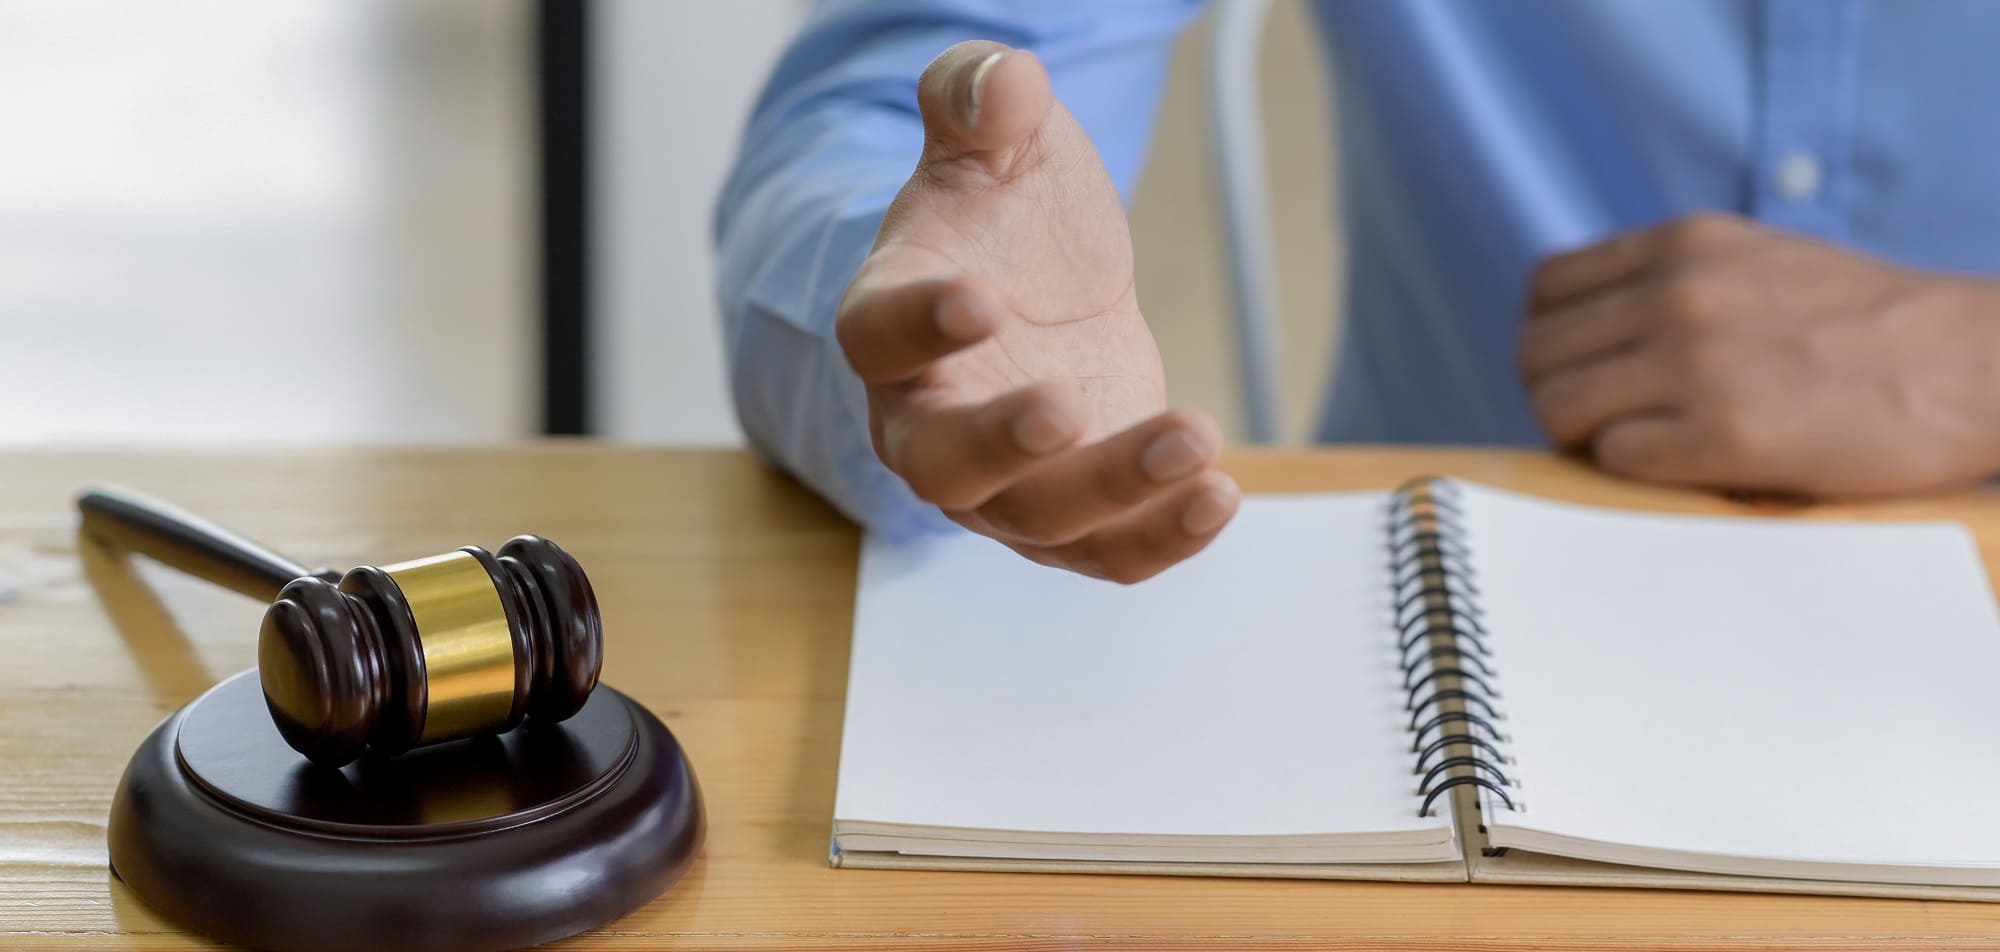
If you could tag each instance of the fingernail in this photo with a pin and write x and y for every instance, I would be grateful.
(1091, 567)
(1040, 431)
(1207, 513)
(1172, 456)
(978, 79)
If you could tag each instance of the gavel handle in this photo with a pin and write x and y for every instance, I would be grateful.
(189, 543)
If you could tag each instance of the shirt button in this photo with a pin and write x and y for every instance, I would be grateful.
(1798, 176)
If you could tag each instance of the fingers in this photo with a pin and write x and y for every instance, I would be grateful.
(981, 99)
(1573, 405)
(957, 457)
(1581, 331)
(1657, 447)
(1565, 277)
(1152, 539)
(891, 330)
(1124, 508)
(1086, 488)
(1604, 321)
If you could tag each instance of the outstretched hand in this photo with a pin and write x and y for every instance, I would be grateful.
(1011, 378)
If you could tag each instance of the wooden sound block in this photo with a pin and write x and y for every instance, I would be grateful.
(487, 843)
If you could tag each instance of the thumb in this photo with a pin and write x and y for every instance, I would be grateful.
(981, 98)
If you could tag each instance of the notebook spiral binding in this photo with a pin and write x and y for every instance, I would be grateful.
(1445, 651)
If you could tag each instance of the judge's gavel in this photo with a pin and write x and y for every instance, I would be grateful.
(433, 649)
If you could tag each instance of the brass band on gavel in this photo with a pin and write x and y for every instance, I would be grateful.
(430, 650)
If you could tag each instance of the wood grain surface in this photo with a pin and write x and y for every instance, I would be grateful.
(728, 595)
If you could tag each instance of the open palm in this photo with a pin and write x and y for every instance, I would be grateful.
(1012, 379)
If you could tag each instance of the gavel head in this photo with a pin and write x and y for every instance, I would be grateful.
(430, 650)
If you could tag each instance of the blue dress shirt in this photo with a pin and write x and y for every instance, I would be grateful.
(1476, 138)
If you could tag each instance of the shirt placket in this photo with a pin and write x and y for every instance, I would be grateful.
(1805, 120)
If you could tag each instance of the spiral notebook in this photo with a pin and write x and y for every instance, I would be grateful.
(1445, 683)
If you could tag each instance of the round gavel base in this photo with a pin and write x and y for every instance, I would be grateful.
(489, 843)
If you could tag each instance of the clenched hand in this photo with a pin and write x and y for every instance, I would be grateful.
(1717, 352)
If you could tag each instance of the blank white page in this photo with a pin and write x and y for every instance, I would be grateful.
(1759, 696)
(1248, 692)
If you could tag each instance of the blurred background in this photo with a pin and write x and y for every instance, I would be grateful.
(233, 222)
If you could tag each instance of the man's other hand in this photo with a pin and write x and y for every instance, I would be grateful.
(1717, 352)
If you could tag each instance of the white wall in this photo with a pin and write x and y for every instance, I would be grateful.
(675, 82)
(227, 221)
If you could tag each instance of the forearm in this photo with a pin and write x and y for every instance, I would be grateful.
(788, 241)
(834, 137)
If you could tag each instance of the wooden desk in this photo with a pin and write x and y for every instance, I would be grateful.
(727, 593)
